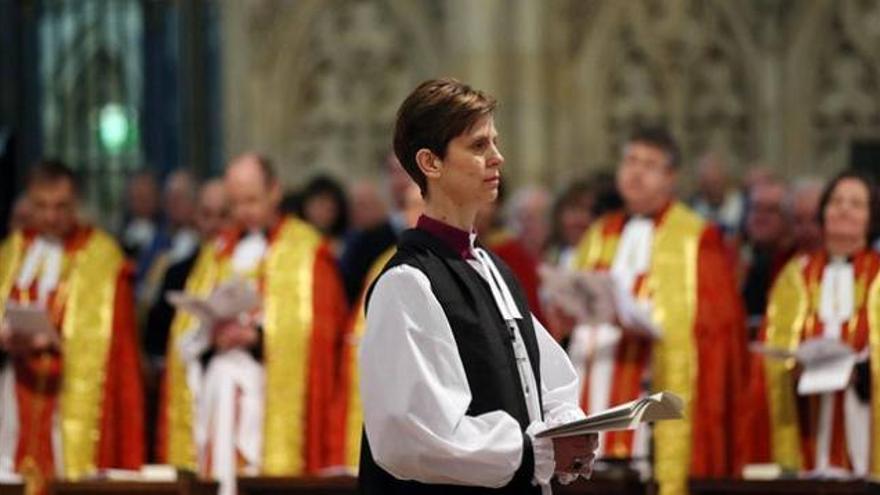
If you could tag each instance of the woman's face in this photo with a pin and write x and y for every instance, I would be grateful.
(574, 219)
(471, 170)
(321, 211)
(847, 213)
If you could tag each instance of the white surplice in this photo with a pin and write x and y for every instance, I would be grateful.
(41, 264)
(228, 395)
(836, 307)
(416, 393)
(593, 348)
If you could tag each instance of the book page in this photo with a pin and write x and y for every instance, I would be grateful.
(827, 375)
(658, 407)
(586, 296)
(30, 320)
(226, 301)
(827, 364)
(595, 298)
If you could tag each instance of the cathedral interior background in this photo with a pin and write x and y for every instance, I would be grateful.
(113, 86)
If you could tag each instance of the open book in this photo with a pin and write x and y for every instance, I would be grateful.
(827, 363)
(595, 298)
(657, 407)
(227, 301)
(30, 320)
(587, 296)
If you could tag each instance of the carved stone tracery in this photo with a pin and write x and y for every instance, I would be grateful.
(791, 82)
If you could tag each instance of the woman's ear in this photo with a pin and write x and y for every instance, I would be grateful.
(428, 163)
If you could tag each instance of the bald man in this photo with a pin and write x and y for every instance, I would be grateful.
(261, 383)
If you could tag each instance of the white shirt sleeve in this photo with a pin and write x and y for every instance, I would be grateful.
(415, 393)
(559, 382)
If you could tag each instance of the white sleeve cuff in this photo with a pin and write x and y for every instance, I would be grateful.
(542, 448)
(194, 343)
(562, 415)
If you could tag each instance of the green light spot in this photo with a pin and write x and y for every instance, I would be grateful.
(114, 127)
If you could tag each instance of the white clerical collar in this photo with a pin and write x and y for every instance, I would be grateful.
(633, 256)
(837, 301)
(42, 259)
(183, 243)
(140, 232)
(249, 251)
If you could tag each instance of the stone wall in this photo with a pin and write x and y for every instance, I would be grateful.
(789, 83)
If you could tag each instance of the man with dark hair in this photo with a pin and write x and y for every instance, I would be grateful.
(678, 323)
(659, 138)
(262, 381)
(457, 376)
(62, 411)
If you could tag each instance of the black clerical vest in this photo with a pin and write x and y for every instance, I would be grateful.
(484, 345)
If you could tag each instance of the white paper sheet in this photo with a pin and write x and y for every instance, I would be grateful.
(30, 320)
(227, 301)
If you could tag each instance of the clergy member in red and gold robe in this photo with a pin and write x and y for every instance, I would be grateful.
(254, 397)
(832, 293)
(63, 413)
(683, 331)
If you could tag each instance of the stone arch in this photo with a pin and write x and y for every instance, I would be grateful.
(832, 85)
(641, 64)
(339, 70)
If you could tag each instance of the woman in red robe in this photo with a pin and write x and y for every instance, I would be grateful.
(834, 294)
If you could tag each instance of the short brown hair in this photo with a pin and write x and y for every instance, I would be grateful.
(660, 138)
(432, 115)
(51, 171)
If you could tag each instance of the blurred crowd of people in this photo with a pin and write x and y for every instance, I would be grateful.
(274, 391)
